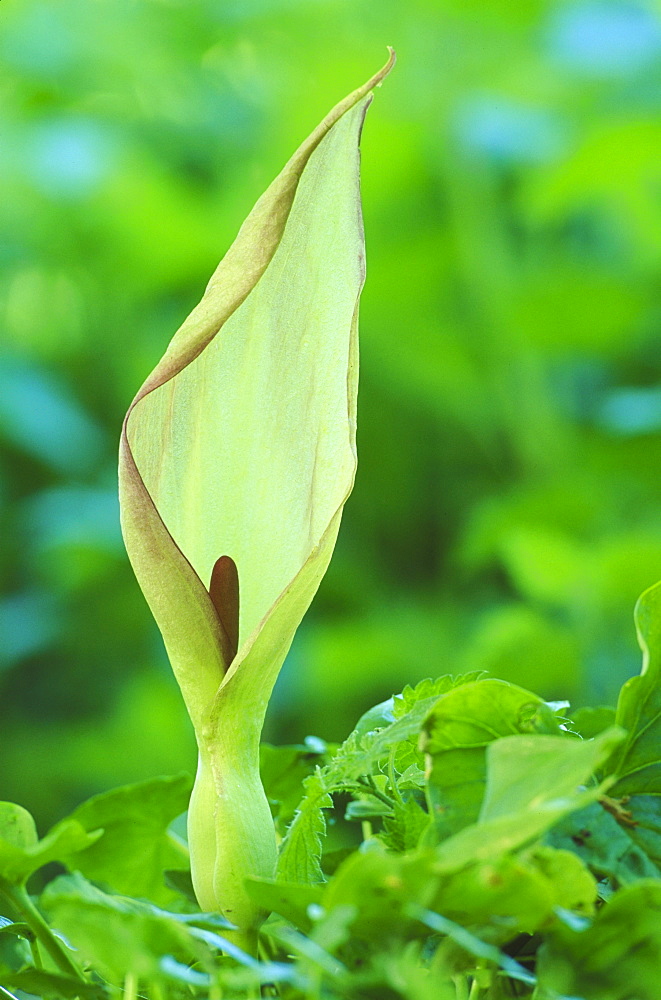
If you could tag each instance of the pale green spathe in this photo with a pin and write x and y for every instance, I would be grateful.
(241, 444)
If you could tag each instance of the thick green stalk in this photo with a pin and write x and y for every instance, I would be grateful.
(231, 836)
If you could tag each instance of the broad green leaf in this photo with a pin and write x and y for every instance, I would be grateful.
(136, 847)
(531, 772)
(237, 456)
(374, 718)
(22, 853)
(455, 735)
(381, 887)
(17, 827)
(602, 843)
(618, 957)
(118, 935)
(509, 895)
(572, 885)
(590, 722)
(638, 761)
(39, 982)
(532, 781)
(288, 899)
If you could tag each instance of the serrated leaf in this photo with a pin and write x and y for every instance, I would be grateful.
(638, 761)
(402, 830)
(300, 853)
(136, 846)
(283, 770)
(426, 689)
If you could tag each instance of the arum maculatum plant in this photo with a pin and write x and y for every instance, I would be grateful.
(237, 456)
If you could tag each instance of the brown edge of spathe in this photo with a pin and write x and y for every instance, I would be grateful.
(241, 268)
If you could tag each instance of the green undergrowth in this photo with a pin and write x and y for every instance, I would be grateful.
(468, 841)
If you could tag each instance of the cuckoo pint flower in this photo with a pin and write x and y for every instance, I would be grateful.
(237, 456)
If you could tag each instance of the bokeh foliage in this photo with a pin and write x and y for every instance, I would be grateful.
(506, 514)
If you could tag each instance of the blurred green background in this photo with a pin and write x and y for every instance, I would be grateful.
(507, 509)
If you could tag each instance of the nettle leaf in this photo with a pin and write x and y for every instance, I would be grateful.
(300, 853)
(404, 828)
(360, 755)
(638, 761)
(136, 847)
(426, 689)
(21, 851)
(456, 733)
(617, 957)
(237, 456)
(283, 771)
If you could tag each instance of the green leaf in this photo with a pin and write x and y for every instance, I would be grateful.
(457, 731)
(509, 895)
(618, 957)
(427, 689)
(590, 722)
(237, 456)
(49, 984)
(283, 771)
(118, 935)
(136, 846)
(638, 761)
(381, 887)
(602, 843)
(402, 831)
(359, 755)
(532, 781)
(17, 928)
(17, 827)
(181, 883)
(288, 899)
(300, 853)
(21, 851)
